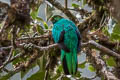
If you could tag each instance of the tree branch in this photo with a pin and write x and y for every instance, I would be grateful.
(37, 37)
(66, 4)
(100, 65)
(64, 10)
(46, 48)
(104, 49)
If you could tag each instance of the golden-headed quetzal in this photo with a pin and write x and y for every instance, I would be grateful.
(67, 35)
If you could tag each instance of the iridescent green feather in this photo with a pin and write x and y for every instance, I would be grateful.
(70, 40)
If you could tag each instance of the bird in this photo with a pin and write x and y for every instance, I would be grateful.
(67, 36)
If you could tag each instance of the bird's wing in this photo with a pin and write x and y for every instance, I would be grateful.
(79, 41)
(70, 39)
(58, 36)
(78, 35)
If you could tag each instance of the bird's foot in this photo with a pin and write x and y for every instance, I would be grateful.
(28, 46)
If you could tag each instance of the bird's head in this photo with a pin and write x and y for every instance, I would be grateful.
(55, 18)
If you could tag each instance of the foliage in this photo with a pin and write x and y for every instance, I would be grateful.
(37, 76)
(101, 28)
(91, 68)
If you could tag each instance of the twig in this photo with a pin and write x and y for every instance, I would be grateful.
(14, 58)
(64, 10)
(46, 75)
(90, 43)
(104, 49)
(11, 51)
(5, 48)
(13, 36)
(5, 70)
(102, 66)
(26, 65)
(2, 27)
(102, 23)
(8, 59)
(66, 4)
(37, 37)
(85, 24)
(22, 46)
(82, 12)
(45, 48)
(23, 65)
(47, 69)
(61, 77)
(35, 46)
(10, 54)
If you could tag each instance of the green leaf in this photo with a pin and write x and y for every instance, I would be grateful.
(100, 8)
(37, 76)
(16, 61)
(115, 36)
(6, 77)
(116, 33)
(111, 62)
(34, 13)
(45, 25)
(102, 78)
(0, 24)
(105, 30)
(65, 78)
(83, 78)
(15, 52)
(28, 27)
(42, 62)
(82, 65)
(91, 68)
(55, 76)
(116, 29)
(102, 1)
(39, 19)
(39, 29)
(49, 12)
(78, 74)
(75, 5)
(59, 69)
(83, 3)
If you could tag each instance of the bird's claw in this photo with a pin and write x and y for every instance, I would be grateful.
(28, 46)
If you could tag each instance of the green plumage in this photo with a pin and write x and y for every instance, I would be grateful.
(68, 39)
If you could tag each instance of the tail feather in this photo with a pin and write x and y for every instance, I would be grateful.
(69, 62)
(65, 67)
(75, 63)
